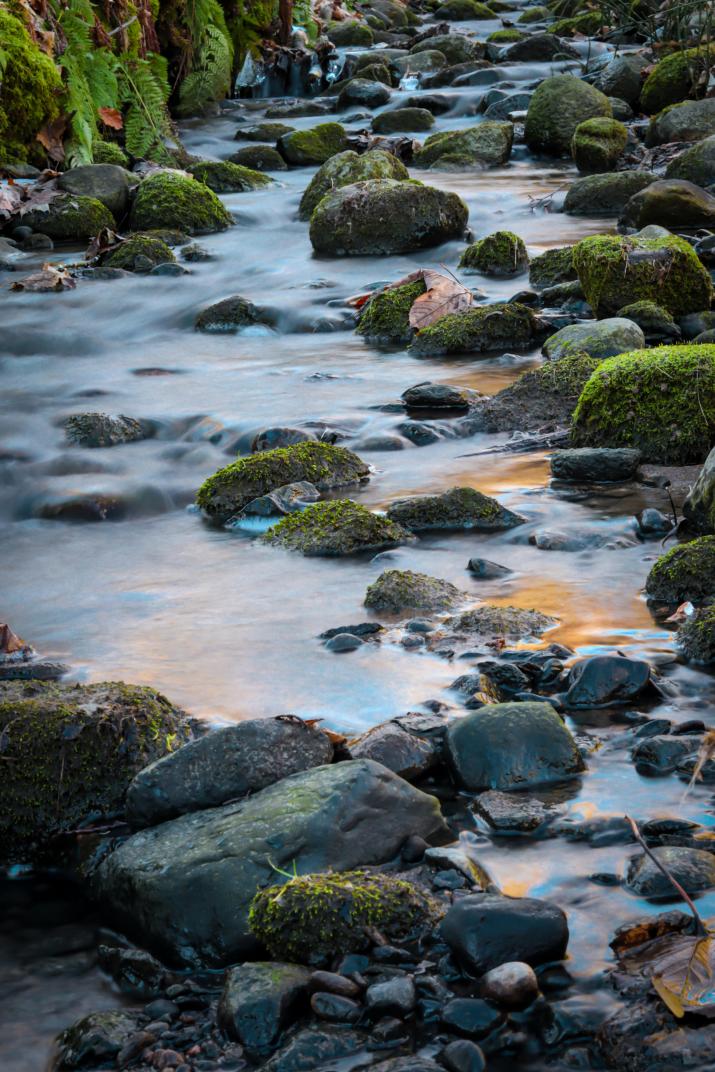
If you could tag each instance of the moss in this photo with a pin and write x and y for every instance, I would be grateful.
(169, 199)
(70, 753)
(615, 271)
(346, 168)
(461, 10)
(140, 253)
(506, 37)
(395, 591)
(385, 317)
(337, 527)
(686, 572)
(597, 144)
(322, 464)
(487, 144)
(491, 620)
(660, 401)
(489, 327)
(457, 508)
(350, 34)
(108, 152)
(534, 14)
(589, 24)
(502, 253)
(259, 158)
(30, 92)
(650, 317)
(376, 72)
(314, 918)
(552, 267)
(557, 107)
(403, 119)
(674, 79)
(71, 217)
(313, 146)
(223, 177)
(696, 637)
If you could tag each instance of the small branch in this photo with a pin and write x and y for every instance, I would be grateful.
(118, 29)
(701, 928)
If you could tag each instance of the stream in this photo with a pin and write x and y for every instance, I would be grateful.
(228, 628)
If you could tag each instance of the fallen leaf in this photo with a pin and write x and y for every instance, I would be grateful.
(10, 199)
(48, 278)
(39, 197)
(102, 243)
(443, 296)
(111, 118)
(51, 137)
(682, 970)
(9, 641)
(705, 753)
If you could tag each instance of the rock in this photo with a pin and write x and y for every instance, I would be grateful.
(538, 48)
(174, 200)
(343, 642)
(419, 432)
(673, 79)
(656, 756)
(486, 145)
(652, 522)
(260, 1000)
(436, 103)
(350, 33)
(696, 637)
(559, 104)
(510, 812)
(362, 92)
(615, 271)
(410, 1063)
(511, 986)
(373, 72)
(511, 746)
(227, 316)
(135, 971)
(651, 400)
(334, 983)
(597, 144)
(440, 396)
(225, 764)
(534, 14)
(458, 508)
(601, 339)
(622, 111)
(554, 266)
(459, 74)
(398, 590)
(336, 527)
(324, 465)
(105, 183)
(70, 218)
(500, 254)
(603, 680)
(193, 878)
(315, 918)
(489, 620)
(643, 1036)
(455, 47)
(458, 858)
(655, 322)
(463, 10)
(285, 500)
(139, 253)
(595, 464)
(507, 107)
(403, 119)
(297, 108)
(335, 1009)
(463, 1055)
(470, 1016)
(484, 931)
(694, 869)
(263, 132)
(259, 158)
(226, 177)
(385, 216)
(699, 506)
(621, 77)
(423, 63)
(696, 164)
(347, 168)
(384, 319)
(98, 1037)
(489, 327)
(401, 752)
(71, 752)
(101, 430)
(395, 997)
(311, 1047)
(271, 438)
(485, 570)
(670, 203)
(313, 146)
(691, 121)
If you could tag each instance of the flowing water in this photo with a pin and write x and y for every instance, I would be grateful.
(227, 627)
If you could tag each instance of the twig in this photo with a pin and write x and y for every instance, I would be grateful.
(701, 928)
(525, 445)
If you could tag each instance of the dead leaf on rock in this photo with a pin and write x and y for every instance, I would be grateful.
(51, 137)
(682, 970)
(102, 243)
(442, 297)
(10, 199)
(40, 196)
(48, 278)
(111, 118)
(10, 642)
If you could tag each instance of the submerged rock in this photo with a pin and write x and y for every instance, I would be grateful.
(489, 620)
(101, 430)
(489, 327)
(259, 1000)
(346, 168)
(484, 931)
(398, 590)
(336, 527)
(486, 145)
(601, 339)
(441, 396)
(227, 316)
(458, 508)
(595, 465)
(694, 869)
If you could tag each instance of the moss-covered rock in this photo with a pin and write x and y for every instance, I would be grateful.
(589, 23)
(385, 317)
(458, 508)
(70, 752)
(224, 177)
(696, 164)
(313, 146)
(605, 195)
(489, 327)
(674, 79)
(654, 321)
(502, 253)
(351, 33)
(263, 132)
(685, 573)
(68, 218)
(30, 90)
(696, 637)
(670, 203)
(228, 315)
(259, 158)
(322, 464)
(140, 253)
(377, 72)
(396, 591)
(689, 121)
(171, 199)
(600, 339)
(346, 168)
(552, 267)
(314, 918)
(463, 10)
(556, 109)
(699, 506)
(506, 36)
(490, 620)
(337, 527)
(362, 93)
(410, 120)
(385, 216)
(455, 47)
(486, 145)
(108, 152)
(660, 401)
(597, 144)
(534, 14)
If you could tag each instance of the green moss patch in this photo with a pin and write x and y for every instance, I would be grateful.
(338, 527)
(686, 572)
(385, 317)
(696, 637)
(140, 253)
(30, 91)
(488, 327)
(674, 79)
(346, 168)
(552, 267)
(500, 254)
(70, 218)
(313, 146)
(223, 177)
(597, 144)
(170, 199)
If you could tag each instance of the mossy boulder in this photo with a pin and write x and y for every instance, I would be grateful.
(689, 121)
(140, 253)
(314, 146)
(534, 14)
(70, 752)
(597, 144)
(346, 168)
(605, 195)
(108, 152)
(322, 464)
(588, 24)
(351, 33)
(31, 91)
(600, 339)
(410, 120)
(685, 573)
(227, 316)
(337, 527)
(674, 79)
(455, 47)
(696, 637)
(362, 93)
(552, 267)
(385, 317)
(259, 158)
(223, 177)
(670, 203)
(696, 164)
(699, 506)
(489, 327)
(453, 510)
(385, 216)
(500, 254)
(660, 401)
(463, 11)
(654, 321)
(314, 918)
(377, 72)
(263, 132)
(557, 108)
(396, 591)
(617, 270)
(68, 218)
(107, 183)
(506, 37)
(172, 199)
(486, 145)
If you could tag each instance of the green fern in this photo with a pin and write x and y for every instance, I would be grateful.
(209, 77)
(146, 123)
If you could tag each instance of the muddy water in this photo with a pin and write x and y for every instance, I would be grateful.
(227, 627)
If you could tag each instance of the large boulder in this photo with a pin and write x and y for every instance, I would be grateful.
(500, 254)
(689, 121)
(600, 338)
(511, 746)
(336, 527)
(70, 218)
(486, 930)
(458, 508)
(684, 573)
(186, 886)
(259, 1000)
(346, 168)
(558, 106)
(70, 752)
(605, 195)
(670, 203)
(107, 183)
(597, 144)
(384, 216)
(223, 765)
(617, 270)
(621, 77)
(696, 164)
(322, 464)
(506, 326)
(699, 507)
(395, 591)
(658, 401)
(486, 145)
(673, 79)
(313, 146)
(176, 201)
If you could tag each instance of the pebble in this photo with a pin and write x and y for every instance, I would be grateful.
(334, 983)
(334, 1008)
(343, 642)
(471, 1016)
(512, 985)
(463, 1056)
(396, 997)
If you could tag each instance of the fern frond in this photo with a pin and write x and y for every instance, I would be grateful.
(147, 122)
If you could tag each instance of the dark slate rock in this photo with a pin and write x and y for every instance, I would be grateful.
(485, 930)
(259, 1000)
(473, 1017)
(694, 869)
(404, 753)
(595, 464)
(606, 679)
(310, 1048)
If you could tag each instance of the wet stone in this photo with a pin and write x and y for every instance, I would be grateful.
(471, 1016)
(462, 1055)
(512, 812)
(343, 642)
(334, 1008)
(694, 869)
(511, 986)
(486, 930)
(595, 464)
(485, 570)
(395, 997)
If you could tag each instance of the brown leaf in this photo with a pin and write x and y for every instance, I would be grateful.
(10, 199)
(102, 243)
(9, 641)
(40, 195)
(682, 970)
(49, 278)
(51, 137)
(443, 296)
(111, 118)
